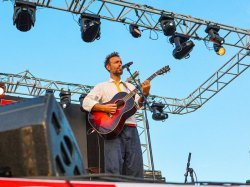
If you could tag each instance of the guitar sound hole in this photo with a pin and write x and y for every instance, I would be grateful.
(119, 103)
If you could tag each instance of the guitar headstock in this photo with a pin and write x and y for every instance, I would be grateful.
(163, 70)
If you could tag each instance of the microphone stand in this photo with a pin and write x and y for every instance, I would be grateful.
(189, 170)
(145, 104)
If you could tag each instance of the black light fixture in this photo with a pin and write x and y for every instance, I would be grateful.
(134, 31)
(49, 91)
(65, 98)
(158, 113)
(167, 24)
(90, 27)
(24, 16)
(214, 36)
(213, 33)
(2, 89)
(183, 46)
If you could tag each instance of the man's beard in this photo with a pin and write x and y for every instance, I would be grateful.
(118, 73)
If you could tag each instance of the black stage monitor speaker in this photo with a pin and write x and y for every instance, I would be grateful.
(36, 139)
(91, 144)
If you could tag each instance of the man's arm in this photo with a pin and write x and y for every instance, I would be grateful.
(92, 101)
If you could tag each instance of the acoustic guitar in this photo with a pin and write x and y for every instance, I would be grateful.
(110, 125)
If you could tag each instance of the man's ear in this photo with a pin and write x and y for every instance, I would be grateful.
(108, 67)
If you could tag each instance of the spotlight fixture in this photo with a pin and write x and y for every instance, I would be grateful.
(134, 31)
(167, 24)
(2, 89)
(65, 98)
(183, 46)
(24, 15)
(90, 27)
(219, 49)
(49, 91)
(158, 113)
(213, 33)
(214, 36)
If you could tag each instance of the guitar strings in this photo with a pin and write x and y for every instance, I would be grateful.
(130, 95)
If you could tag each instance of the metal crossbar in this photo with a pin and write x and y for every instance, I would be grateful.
(147, 17)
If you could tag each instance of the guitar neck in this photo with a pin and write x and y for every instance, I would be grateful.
(152, 77)
(133, 92)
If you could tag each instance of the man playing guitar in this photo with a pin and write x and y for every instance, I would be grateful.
(122, 153)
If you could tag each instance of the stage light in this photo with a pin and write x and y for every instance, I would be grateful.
(65, 98)
(2, 89)
(134, 31)
(213, 33)
(49, 91)
(90, 27)
(219, 49)
(214, 36)
(183, 46)
(24, 15)
(167, 24)
(158, 113)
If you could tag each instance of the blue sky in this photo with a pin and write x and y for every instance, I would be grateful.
(217, 134)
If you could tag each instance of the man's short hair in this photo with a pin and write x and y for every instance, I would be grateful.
(108, 57)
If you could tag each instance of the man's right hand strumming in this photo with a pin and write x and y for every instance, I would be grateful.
(108, 108)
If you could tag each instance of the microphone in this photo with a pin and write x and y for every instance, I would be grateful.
(127, 65)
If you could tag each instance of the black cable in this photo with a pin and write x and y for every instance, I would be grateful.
(150, 36)
(75, 19)
(90, 131)
(99, 151)
(126, 27)
(207, 43)
(152, 18)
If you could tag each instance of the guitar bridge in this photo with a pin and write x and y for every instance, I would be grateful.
(110, 115)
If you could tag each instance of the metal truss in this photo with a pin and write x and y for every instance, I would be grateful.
(25, 83)
(141, 126)
(147, 17)
(221, 78)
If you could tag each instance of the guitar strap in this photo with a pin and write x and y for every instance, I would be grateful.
(125, 85)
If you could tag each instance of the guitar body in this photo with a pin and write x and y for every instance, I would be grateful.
(109, 126)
